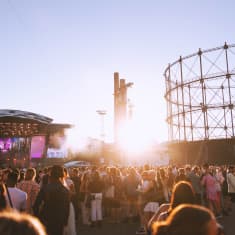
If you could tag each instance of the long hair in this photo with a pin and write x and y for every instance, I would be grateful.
(186, 219)
(12, 222)
(30, 174)
(183, 193)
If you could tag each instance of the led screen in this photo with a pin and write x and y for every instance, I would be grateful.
(5, 144)
(37, 146)
(56, 146)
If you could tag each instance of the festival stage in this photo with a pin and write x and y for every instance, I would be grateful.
(28, 139)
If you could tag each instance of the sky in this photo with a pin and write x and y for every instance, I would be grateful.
(57, 57)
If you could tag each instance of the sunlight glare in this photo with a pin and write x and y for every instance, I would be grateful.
(75, 141)
(134, 138)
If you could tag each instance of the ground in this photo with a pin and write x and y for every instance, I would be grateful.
(130, 228)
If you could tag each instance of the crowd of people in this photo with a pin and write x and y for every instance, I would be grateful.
(164, 200)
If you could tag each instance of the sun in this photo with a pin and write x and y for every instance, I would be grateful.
(134, 138)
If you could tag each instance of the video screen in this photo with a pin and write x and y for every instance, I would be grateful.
(56, 146)
(5, 144)
(14, 144)
(37, 146)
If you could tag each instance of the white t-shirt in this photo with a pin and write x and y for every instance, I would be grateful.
(18, 198)
(144, 186)
(68, 183)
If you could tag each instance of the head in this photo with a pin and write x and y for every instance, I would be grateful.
(112, 171)
(206, 168)
(169, 170)
(188, 219)
(12, 223)
(57, 172)
(132, 171)
(182, 193)
(74, 172)
(162, 173)
(196, 169)
(12, 179)
(181, 171)
(45, 170)
(231, 169)
(30, 174)
(95, 175)
(5, 174)
(152, 174)
(146, 167)
(145, 175)
(187, 169)
(22, 175)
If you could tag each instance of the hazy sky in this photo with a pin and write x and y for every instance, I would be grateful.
(57, 57)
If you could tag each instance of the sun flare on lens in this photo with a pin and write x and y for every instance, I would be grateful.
(133, 138)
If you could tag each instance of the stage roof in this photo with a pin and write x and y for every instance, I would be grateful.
(16, 123)
(9, 114)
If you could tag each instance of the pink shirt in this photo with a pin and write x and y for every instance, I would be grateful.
(32, 190)
(210, 185)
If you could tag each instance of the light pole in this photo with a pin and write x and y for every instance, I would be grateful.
(102, 113)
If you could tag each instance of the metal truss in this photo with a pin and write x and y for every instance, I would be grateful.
(200, 95)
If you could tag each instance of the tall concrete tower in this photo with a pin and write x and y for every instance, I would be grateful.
(120, 104)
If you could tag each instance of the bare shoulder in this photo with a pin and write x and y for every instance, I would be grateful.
(164, 207)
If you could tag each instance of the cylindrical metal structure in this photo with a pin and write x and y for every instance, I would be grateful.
(200, 95)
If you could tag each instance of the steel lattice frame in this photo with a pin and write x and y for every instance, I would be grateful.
(200, 95)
